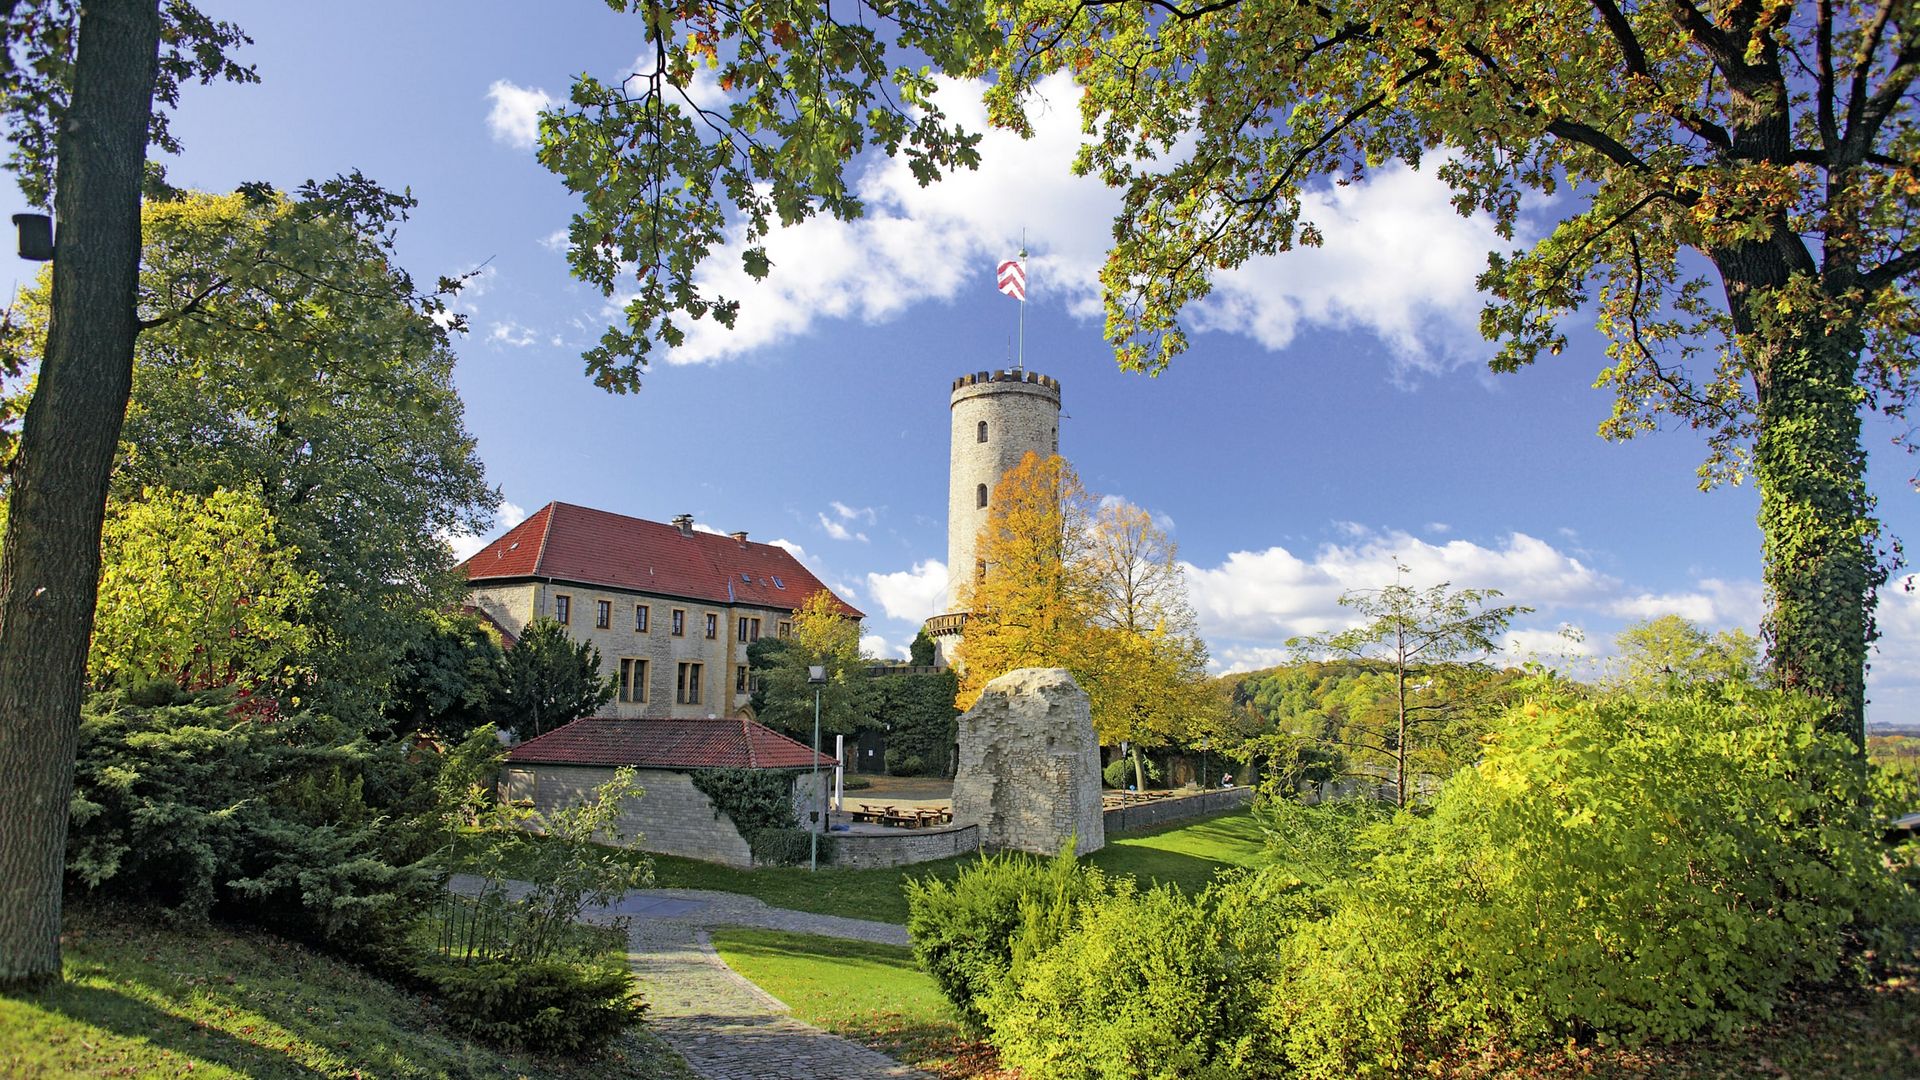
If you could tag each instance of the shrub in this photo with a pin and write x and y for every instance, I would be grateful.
(1119, 772)
(546, 1005)
(901, 763)
(788, 847)
(967, 931)
(1630, 868)
(183, 804)
(1150, 984)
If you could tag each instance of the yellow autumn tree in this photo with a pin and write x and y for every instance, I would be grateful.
(1091, 586)
(1029, 603)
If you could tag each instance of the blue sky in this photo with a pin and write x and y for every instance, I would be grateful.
(1333, 414)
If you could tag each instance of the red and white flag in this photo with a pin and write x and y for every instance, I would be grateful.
(1013, 279)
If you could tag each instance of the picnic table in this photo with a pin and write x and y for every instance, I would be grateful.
(912, 817)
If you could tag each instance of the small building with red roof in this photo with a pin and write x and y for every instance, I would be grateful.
(671, 608)
(674, 817)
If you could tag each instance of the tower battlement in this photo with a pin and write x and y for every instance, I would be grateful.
(1008, 375)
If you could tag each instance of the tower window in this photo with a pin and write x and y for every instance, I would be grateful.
(980, 496)
(982, 437)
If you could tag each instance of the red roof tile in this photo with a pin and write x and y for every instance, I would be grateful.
(738, 743)
(594, 547)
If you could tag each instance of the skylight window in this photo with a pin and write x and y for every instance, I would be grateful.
(777, 583)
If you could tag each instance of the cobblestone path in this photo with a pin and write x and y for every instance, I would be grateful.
(726, 1027)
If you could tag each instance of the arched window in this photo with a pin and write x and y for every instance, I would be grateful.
(980, 496)
(983, 432)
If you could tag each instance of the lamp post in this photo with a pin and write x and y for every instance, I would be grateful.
(817, 675)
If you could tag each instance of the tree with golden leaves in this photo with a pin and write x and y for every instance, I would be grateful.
(1090, 586)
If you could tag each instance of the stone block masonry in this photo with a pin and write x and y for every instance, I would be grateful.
(1029, 769)
(673, 817)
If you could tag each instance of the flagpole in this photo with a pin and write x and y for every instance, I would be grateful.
(1020, 353)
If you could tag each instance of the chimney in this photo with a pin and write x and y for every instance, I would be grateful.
(685, 524)
(739, 537)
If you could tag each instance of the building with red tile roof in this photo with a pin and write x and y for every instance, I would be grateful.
(736, 743)
(671, 608)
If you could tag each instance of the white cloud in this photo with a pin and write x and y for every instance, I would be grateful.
(838, 531)
(880, 648)
(1398, 262)
(555, 240)
(854, 513)
(511, 333)
(467, 546)
(1714, 603)
(1252, 602)
(515, 116)
(914, 595)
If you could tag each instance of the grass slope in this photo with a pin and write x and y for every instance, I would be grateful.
(141, 1000)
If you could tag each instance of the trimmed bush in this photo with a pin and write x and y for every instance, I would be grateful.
(1119, 772)
(1151, 983)
(788, 847)
(546, 1006)
(901, 763)
(967, 932)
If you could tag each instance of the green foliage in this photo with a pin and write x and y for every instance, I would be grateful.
(288, 356)
(1322, 844)
(198, 590)
(188, 805)
(450, 677)
(573, 863)
(760, 804)
(1431, 644)
(923, 652)
(1122, 773)
(775, 846)
(544, 1005)
(550, 680)
(823, 636)
(1150, 984)
(1657, 654)
(921, 721)
(969, 932)
(1682, 862)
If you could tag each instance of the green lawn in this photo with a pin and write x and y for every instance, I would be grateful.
(214, 1001)
(872, 994)
(1186, 854)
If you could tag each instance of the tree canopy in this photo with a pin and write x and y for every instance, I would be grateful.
(823, 636)
(1728, 188)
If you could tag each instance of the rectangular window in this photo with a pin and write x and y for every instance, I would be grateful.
(633, 680)
(786, 628)
(742, 635)
(679, 622)
(753, 629)
(687, 689)
(562, 609)
(640, 614)
(602, 614)
(713, 626)
(740, 679)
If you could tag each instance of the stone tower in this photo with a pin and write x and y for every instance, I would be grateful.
(997, 417)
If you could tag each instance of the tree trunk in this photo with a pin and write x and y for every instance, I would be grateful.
(1817, 521)
(50, 569)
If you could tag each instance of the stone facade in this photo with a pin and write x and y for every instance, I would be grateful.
(1029, 770)
(722, 657)
(1162, 811)
(997, 418)
(673, 817)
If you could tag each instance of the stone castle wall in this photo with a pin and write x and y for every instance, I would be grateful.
(673, 817)
(1029, 770)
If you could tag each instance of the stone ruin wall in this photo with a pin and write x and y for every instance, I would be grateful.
(1029, 768)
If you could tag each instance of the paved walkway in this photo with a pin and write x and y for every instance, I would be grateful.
(726, 1027)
